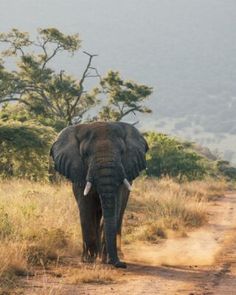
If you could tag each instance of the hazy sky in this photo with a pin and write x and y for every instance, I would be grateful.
(185, 49)
(151, 40)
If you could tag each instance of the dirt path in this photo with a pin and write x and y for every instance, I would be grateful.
(204, 263)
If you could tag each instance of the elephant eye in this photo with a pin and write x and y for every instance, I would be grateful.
(84, 152)
(85, 149)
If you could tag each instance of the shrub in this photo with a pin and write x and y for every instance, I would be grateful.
(24, 149)
(227, 170)
(169, 157)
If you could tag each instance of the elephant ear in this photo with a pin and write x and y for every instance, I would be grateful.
(136, 148)
(66, 155)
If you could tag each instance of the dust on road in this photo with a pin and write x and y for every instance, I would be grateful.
(204, 263)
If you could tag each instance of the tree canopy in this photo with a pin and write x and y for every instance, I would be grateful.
(123, 97)
(35, 83)
(57, 95)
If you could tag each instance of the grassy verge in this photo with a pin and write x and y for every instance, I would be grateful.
(39, 222)
(38, 225)
(164, 208)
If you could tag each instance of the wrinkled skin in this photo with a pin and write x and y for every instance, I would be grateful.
(103, 154)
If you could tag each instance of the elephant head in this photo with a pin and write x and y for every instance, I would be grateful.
(102, 156)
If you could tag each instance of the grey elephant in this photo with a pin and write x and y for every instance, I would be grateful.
(101, 159)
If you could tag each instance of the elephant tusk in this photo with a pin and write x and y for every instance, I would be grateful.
(127, 184)
(87, 188)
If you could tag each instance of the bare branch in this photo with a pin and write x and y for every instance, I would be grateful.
(92, 76)
(14, 99)
(15, 48)
(49, 57)
(97, 73)
(84, 76)
(43, 46)
(21, 50)
(123, 114)
(89, 54)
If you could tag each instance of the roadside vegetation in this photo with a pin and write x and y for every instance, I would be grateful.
(39, 223)
(164, 208)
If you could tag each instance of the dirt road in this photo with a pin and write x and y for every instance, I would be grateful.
(203, 263)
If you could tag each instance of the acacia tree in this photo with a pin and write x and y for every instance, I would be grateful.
(36, 84)
(122, 97)
(56, 98)
(50, 97)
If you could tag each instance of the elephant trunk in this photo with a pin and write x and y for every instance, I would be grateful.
(108, 203)
(107, 179)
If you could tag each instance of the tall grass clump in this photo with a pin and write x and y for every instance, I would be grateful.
(92, 273)
(162, 208)
(39, 224)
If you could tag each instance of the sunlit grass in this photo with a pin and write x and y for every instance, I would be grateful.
(39, 222)
(91, 274)
(164, 208)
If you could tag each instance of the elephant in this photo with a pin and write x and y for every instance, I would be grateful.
(101, 159)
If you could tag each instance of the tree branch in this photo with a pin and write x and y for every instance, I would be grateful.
(15, 48)
(14, 99)
(123, 114)
(84, 76)
(49, 57)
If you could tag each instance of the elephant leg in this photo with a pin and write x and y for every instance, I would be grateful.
(122, 203)
(90, 216)
(103, 256)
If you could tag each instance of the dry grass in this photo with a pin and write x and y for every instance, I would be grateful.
(12, 264)
(91, 274)
(164, 208)
(39, 222)
(210, 189)
(38, 225)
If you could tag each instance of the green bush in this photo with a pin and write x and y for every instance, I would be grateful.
(169, 157)
(227, 169)
(20, 113)
(24, 150)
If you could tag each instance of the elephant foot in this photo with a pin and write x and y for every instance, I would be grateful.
(118, 264)
(89, 254)
(88, 258)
